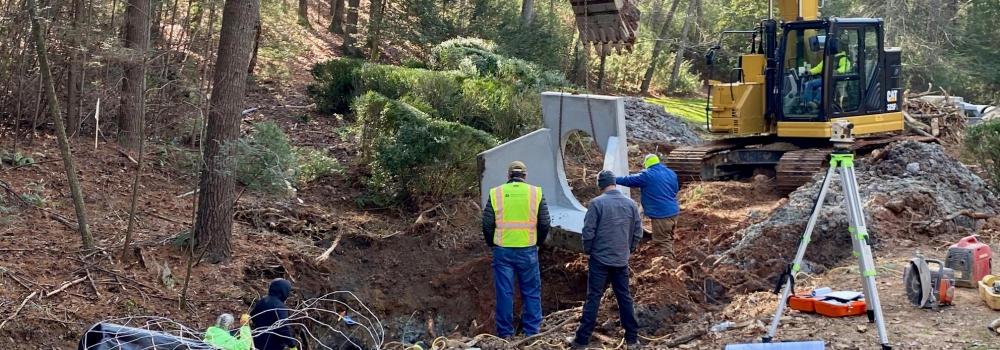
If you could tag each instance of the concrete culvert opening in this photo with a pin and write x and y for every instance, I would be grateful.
(582, 160)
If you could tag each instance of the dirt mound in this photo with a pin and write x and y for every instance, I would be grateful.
(651, 123)
(911, 191)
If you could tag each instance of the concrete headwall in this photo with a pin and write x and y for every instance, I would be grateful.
(541, 150)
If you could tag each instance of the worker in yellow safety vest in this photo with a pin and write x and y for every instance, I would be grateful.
(813, 89)
(515, 222)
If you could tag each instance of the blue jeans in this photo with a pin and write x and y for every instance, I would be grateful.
(598, 278)
(813, 91)
(522, 263)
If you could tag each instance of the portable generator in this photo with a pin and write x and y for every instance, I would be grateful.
(971, 261)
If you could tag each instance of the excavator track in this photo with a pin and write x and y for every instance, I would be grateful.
(690, 162)
(797, 168)
(687, 162)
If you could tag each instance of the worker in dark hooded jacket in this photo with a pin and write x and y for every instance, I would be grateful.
(267, 312)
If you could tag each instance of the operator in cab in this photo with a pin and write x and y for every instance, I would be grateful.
(812, 94)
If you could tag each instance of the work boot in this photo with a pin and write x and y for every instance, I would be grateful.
(571, 340)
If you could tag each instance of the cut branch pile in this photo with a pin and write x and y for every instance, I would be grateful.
(941, 119)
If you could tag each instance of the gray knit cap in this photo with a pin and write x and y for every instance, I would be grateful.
(605, 178)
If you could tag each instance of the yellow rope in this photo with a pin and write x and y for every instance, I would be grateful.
(655, 339)
(434, 344)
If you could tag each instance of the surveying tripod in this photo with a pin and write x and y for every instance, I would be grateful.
(842, 161)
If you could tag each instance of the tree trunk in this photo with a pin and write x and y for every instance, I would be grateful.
(658, 47)
(527, 12)
(304, 13)
(679, 57)
(133, 204)
(337, 16)
(75, 72)
(215, 200)
(64, 149)
(138, 33)
(256, 47)
(130, 115)
(351, 28)
(375, 15)
(575, 72)
(600, 75)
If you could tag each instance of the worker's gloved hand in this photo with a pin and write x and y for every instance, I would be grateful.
(244, 319)
(293, 348)
(803, 70)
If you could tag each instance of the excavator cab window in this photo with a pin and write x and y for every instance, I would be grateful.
(856, 87)
(802, 77)
(846, 92)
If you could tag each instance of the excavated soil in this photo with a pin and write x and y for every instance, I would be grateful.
(911, 191)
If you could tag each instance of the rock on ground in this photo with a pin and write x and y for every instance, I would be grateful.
(648, 122)
(909, 189)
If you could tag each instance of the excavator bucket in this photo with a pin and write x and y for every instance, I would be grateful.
(542, 152)
(608, 24)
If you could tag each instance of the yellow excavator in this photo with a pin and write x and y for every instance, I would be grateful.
(802, 74)
(775, 114)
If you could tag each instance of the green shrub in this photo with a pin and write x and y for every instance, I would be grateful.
(314, 164)
(411, 154)
(524, 74)
(505, 104)
(413, 62)
(184, 162)
(982, 143)
(464, 42)
(333, 87)
(391, 81)
(16, 159)
(454, 53)
(35, 195)
(441, 91)
(499, 108)
(265, 161)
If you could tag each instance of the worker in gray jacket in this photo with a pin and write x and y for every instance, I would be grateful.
(612, 229)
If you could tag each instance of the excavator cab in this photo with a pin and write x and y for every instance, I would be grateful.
(835, 68)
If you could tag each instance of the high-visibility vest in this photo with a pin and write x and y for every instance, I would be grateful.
(516, 207)
(843, 65)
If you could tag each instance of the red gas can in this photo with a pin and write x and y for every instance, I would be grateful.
(971, 260)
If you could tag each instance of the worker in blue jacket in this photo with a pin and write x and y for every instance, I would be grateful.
(659, 186)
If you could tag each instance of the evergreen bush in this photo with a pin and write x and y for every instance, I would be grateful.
(333, 86)
(411, 154)
(982, 143)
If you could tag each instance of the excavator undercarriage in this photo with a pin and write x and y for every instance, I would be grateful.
(792, 162)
